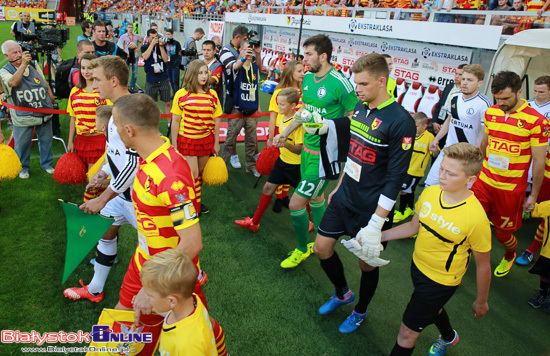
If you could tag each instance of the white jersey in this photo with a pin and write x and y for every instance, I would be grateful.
(543, 109)
(466, 123)
(122, 163)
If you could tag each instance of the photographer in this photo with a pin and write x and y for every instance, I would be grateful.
(191, 43)
(156, 59)
(130, 43)
(101, 45)
(86, 31)
(23, 27)
(26, 87)
(173, 48)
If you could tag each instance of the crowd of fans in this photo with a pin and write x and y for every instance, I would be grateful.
(39, 4)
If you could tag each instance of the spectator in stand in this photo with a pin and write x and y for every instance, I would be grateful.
(537, 5)
(101, 45)
(130, 42)
(502, 6)
(517, 5)
(173, 49)
(86, 31)
(156, 60)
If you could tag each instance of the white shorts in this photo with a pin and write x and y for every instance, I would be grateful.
(122, 210)
(433, 174)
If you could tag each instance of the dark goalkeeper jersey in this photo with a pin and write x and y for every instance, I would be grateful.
(380, 149)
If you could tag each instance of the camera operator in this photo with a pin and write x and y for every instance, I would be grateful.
(26, 87)
(101, 45)
(23, 27)
(191, 43)
(156, 59)
(173, 49)
(130, 42)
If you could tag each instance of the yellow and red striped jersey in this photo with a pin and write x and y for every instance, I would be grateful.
(391, 4)
(404, 4)
(197, 111)
(82, 105)
(511, 137)
(535, 5)
(163, 195)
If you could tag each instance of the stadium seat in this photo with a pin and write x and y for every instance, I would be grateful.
(401, 88)
(347, 71)
(412, 97)
(430, 98)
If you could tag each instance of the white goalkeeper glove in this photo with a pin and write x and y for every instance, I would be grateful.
(314, 123)
(369, 237)
(353, 246)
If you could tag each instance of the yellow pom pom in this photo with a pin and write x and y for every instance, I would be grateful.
(215, 172)
(11, 165)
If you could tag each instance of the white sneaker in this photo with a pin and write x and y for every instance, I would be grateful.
(235, 163)
(254, 172)
(50, 170)
(24, 175)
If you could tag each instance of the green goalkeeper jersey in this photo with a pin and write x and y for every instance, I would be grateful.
(332, 96)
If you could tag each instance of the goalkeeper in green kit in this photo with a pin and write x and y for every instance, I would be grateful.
(329, 93)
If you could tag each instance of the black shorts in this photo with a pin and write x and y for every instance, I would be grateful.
(427, 300)
(163, 88)
(410, 183)
(284, 173)
(339, 220)
(541, 267)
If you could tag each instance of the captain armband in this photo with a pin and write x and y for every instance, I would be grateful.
(183, 215)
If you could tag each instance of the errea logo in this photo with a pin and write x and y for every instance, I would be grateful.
(426, 211)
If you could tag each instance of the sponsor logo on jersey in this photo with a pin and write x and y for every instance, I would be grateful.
(407, 143)
(426, 211)
(361, 152)
(321, 92)
(504, 146)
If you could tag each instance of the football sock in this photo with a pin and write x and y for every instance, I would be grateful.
(285, 187)
(444, 325)
(219, 335)
(198, 187)
(278, 206)
(409, 201)
(265, 200)
(301, 226)
(509, 242)
(308, 208)
(317, 212)
(279, 192)
(286, 201)
(401, 351)
(369, 283)
(105, 257)
(539, 236)
(335, 272)
(402, 205)
(544, 286)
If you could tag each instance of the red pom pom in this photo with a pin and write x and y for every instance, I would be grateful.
(70, 169)
(266, 160)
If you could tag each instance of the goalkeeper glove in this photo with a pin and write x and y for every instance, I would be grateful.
(369, 237)
(314, 123)
(353, 246)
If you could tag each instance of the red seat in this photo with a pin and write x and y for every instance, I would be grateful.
(430, 98)
(412, 97)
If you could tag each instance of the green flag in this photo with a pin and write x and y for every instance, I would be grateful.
(83, 233)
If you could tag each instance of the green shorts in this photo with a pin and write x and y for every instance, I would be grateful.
(310, 187)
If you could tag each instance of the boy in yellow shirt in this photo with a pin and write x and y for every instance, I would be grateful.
(169, 278)
(542, 265)
(419, 161)
(285, 171)
(450, 223)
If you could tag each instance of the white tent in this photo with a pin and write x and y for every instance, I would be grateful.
(526, 53)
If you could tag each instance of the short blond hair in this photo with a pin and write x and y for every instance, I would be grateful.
(113, 66)
(292, 95)
(170, 272)
(468, 155)
(475, 69)
(103, 113)
(138, 110)
(421, 118)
